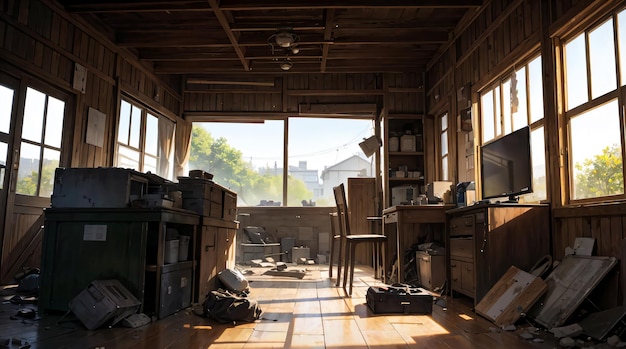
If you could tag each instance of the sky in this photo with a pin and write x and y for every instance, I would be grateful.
(320, 142)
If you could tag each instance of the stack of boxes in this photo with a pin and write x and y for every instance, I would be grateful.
(215, 250)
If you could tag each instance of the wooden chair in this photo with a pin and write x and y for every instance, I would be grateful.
(352, 240)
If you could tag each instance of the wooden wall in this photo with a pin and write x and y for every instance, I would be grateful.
(41, 42)
(488, 44)
(394, 92)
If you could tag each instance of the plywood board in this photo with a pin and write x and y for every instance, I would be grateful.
(512, 295)
(568, 286)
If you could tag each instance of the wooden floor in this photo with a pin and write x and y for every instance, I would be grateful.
(307, 313)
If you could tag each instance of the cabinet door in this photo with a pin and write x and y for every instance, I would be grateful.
(467, 277)
(225, 248)
(455, 275)
(206, 262)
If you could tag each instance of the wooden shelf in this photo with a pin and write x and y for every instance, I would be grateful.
(405, 179)
(401, 153)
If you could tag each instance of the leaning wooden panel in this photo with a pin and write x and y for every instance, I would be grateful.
(568, 285)
(512, 295)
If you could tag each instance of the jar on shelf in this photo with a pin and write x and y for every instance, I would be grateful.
(394, 143)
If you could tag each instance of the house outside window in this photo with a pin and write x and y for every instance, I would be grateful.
(249, 158)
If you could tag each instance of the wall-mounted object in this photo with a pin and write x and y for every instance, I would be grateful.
(465, 120)
(80, 78)
(96, 123)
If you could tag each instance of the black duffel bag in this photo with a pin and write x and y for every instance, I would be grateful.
(226, 306)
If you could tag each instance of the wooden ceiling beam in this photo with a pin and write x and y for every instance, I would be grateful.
(252, 5)
(79, 6)
(234, 39)
(328, 32)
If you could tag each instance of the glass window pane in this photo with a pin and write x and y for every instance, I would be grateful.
(54, 122)
(497, 110)
(444, 168)
(575, 72)
(247, 158)
(621, 37)
(535, 88)
(124, 125)
(28, 172)
(602, 59)
(149, 164)
(152, 135)
(324, 152)
(506, 106)
(51, 159)
(519, 108)
(538, 155)
(127, 158)
(596, 154)
(444, 143)
(6, 106)
(3, 162)
(487, 116)
(33, 115)
(135, 127)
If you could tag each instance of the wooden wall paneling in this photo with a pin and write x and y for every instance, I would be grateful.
(603, 238)
(615, 239)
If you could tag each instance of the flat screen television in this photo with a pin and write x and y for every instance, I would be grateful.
(506, 166)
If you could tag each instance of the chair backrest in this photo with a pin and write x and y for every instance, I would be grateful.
(342, 209)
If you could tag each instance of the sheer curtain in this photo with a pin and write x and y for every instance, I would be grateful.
(183, 146)
(166, 141)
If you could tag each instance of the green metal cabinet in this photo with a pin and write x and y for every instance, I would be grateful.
(85, 244)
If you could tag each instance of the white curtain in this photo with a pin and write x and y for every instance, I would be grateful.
(183, 146)
(166, 143)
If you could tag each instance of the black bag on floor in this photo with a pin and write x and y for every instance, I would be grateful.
(226, 306)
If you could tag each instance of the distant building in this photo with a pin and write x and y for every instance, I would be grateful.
(309, 177)
(354, 166)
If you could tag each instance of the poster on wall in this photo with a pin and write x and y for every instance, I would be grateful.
(95, 127)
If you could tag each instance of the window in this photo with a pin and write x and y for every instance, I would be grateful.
(40, 147)
(515, 101)
(593, 110)
(443, 136)
(144, 141)
(249, 158)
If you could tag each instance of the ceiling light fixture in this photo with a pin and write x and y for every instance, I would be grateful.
(286, 64)
(284, 43)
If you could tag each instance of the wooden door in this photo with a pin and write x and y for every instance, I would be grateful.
(33, 136)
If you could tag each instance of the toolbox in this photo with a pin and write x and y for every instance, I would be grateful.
(403, 299)
(103, 301)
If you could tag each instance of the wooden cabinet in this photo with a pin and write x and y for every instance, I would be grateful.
(128, 244)
(485, 240)
(403, 153)
(431, 269)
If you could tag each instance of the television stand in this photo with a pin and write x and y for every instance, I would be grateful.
(512, 200)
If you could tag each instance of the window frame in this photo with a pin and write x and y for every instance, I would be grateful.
(618, 94)
(502, 127)
(141, 148)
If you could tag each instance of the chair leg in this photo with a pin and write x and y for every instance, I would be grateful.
(342, 252)
(383, 247)
(330, 262)
(346, 265)
(352, 254)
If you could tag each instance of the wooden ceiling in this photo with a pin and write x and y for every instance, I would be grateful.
(205, 37)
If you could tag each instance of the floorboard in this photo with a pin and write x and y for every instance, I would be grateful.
(297, 313)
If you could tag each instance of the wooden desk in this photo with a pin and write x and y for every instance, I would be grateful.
(408, 220)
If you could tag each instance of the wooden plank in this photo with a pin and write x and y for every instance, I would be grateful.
(512, 295)
(568, 286)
